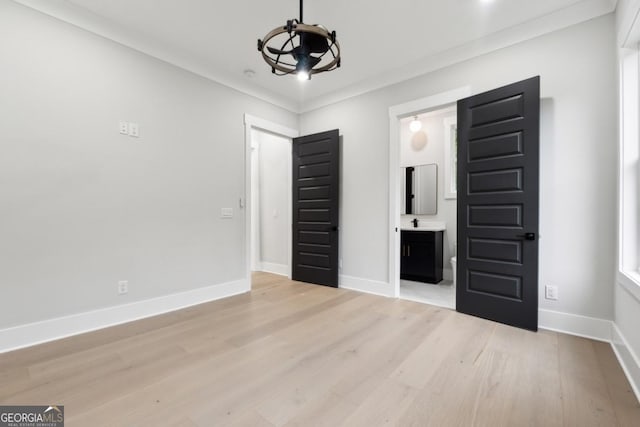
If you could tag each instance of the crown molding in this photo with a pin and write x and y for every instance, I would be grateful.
(89, 21)
(86, 20)
(563, 18)
(628, 23)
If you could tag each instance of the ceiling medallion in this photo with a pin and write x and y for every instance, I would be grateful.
(301, 41)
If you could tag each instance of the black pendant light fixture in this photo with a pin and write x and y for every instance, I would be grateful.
(313, 49)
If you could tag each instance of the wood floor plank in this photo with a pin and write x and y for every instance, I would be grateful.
(394, 349)
(296, 354)
(384, 406)
(586, 400)
(307, 381)
(328, 410)
(621, 394)
(465, 344)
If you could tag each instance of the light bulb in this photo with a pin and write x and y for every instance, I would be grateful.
(415, 125)
(303, 75)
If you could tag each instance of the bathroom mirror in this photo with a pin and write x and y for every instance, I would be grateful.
(420, 190)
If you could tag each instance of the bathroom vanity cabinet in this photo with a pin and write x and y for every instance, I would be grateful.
(421, 255)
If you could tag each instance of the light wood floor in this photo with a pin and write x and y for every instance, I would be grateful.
(297, 354)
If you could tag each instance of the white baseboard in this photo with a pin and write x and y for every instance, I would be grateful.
(573, 324)
(62, 327)
(269, 267)
(628, 360)
(366, 285)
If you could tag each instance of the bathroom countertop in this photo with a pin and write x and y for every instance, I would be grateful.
(426, 226)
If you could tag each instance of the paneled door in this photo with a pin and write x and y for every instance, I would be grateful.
(498, 162)
(316, 179)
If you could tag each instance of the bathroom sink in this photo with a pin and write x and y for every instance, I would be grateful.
(426, 226)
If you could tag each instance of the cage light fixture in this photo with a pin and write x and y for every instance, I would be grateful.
(300, 49)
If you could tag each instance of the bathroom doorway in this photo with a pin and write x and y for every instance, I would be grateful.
(423, 208)
(428, 206)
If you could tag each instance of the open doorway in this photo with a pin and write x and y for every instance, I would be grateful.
(268, 196)
(428, 207)
(423, 206)
(270, 202)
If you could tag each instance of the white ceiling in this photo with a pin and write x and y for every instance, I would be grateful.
(382, 41)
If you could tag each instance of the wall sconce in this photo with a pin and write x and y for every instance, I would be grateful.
(419, 140)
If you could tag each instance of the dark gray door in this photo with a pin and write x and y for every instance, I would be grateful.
(498, 161)
(316, 167)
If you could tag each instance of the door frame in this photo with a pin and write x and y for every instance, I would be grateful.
(396, 113)
(263, 125)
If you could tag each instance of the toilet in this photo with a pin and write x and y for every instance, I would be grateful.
(453, 267)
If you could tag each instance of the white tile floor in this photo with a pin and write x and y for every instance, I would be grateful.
(443, 294)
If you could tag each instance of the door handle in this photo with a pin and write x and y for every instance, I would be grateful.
(528, 236)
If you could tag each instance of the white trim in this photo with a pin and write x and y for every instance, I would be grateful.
(367, 286)
(449, 122)
(280, 269)
(429, 103)
(254, 205)
(396, 113)
(252, 122)
(628, 359)
(630, 281)
(63, 327)
(574, 324)
(629, 158)
(269, 126)
(628, 24)
(628, 174)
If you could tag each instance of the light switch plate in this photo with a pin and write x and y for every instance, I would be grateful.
(123, 287)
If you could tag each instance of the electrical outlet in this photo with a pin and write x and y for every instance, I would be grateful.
(134, 130)
(123, 287)
(551, 292)
(124, 127)
(226, 213)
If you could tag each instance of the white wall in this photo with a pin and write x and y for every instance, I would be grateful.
(433, 152)
(83, 207)
(578, 128)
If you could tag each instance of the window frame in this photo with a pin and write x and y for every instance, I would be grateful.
(628, 273)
